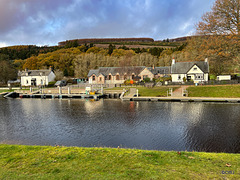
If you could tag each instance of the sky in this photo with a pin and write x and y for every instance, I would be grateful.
(47, 22)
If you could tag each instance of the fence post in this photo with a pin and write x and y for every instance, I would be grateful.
(60, 90)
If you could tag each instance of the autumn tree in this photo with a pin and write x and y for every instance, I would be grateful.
(220, 44)
(7, 71)
(223, 19)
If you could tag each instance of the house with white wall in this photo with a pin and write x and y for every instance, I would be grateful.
(36, 77)
(196, 71)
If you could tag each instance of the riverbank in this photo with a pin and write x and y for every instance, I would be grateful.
(224, 91)
(46, 162)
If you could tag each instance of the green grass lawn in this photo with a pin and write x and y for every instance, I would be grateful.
(43, 162)
(227, 91)
(5, 90)
(152, 92)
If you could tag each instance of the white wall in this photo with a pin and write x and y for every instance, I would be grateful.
(175, 77)
(195, 70)
(223, 77)
(26, 80)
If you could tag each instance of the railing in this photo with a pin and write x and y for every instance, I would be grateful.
(170, 92)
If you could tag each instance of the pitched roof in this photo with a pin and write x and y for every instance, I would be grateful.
(160, 70)
(35, 73)
(116, 70)
(184, 67)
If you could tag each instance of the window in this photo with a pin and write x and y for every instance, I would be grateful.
(117, 77)
(125, 77)
(109, 77)
(133, 76)
(100, 79)
(179, 77)
(93, 78)
(27, 82)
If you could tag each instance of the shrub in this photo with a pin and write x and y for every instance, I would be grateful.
(146, 79)
(128, 82)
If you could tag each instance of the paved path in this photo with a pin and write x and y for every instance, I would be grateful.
(133, 91)
(178, 92)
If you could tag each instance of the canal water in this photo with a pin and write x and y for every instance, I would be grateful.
(211, 127)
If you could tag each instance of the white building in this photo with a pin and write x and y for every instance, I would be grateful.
(197, 71)
(224, 77)
(36, 77)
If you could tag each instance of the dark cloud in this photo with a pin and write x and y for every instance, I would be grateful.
(50, 21)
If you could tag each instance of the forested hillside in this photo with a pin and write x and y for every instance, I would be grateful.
(77, 61)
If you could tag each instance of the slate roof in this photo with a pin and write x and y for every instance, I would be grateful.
(35, 73)
(114, 70)
(160, 70)
(184, 67)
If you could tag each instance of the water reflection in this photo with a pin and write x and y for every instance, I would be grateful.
(218, 129)
(148, 125)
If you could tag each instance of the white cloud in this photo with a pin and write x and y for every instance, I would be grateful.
(3, 44)
(46, 22)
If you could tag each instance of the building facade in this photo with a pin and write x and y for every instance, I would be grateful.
(36, 77)
(197, 71)
(117, 75)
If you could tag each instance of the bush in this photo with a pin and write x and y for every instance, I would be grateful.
(162, 79)
(147, 79)
(128, 82)
(51, 84)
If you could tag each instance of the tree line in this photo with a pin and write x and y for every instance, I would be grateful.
(217, 38)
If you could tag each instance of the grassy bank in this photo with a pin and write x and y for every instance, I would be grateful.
(42, 162)
(5, 90)
(228, 91)
(152, 92)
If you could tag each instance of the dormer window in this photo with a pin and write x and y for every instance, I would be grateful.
(93, 78)
(117, 77)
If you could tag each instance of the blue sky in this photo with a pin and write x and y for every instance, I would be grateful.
(46, 22)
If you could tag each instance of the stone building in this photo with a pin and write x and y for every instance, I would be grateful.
(117, 75)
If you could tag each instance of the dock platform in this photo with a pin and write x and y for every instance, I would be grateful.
(184, 99)
(61, 96)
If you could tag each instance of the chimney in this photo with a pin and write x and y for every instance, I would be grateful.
(206, 60)
(153, 67)
(50, 68)
(26, 70)
(173, 61)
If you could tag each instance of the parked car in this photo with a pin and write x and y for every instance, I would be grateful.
(61, 83)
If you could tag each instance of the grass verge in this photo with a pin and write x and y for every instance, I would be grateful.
(228, 91)
(43, 162)
(5, 90)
